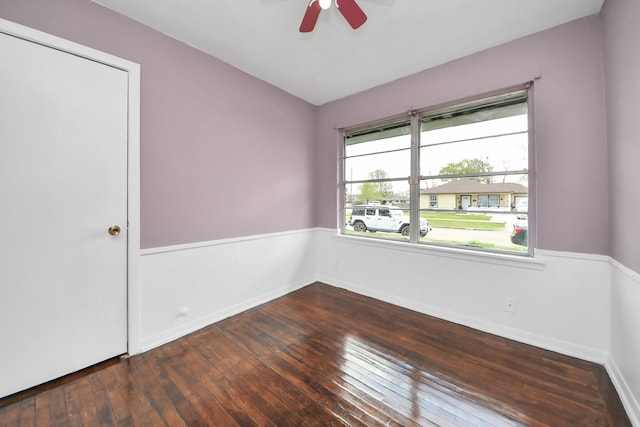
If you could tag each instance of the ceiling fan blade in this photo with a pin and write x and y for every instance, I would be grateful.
(351, 12)
(310, 17)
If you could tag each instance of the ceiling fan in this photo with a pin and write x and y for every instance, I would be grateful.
(348, 8)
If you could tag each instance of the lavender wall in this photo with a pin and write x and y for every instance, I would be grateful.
(572, 213)
(621, 35)
(223, 154)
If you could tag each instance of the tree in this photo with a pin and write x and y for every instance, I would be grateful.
(376, 190)
(368, 193)
(383, 189)
(467, 166)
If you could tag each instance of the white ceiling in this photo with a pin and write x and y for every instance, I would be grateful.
(401, 37)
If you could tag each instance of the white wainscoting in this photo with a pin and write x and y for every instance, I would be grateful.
(624, 359)
(576, 304)
(562, 299)
(187, 287)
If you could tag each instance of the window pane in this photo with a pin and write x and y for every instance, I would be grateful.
(473, 226)
(394, 193)
(443, 151)
(507, 105)
(378, 146)
(394, 164)
(388, 130)
(388, 221)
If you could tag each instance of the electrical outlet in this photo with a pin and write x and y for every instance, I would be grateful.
(183, 311)
(510, 305)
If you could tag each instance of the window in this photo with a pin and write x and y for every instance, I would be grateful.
(460, 172)
(489, 200)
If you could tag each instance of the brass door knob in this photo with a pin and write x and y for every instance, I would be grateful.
(114, 230)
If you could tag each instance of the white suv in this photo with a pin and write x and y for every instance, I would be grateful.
(383, 218)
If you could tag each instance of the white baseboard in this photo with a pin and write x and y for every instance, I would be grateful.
(567, 348)
(631, 405)
(562, 298)
(623, 363)
(188, 287)
(174, 333)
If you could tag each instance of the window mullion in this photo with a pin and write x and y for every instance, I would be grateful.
(414, 180)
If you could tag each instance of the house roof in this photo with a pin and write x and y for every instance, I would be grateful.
(468, 186)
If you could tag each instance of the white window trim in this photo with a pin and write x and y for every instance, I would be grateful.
(498, 258)
(414, 245)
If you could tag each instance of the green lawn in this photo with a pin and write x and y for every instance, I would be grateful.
(468, 221)
(452, 215)
(467, 224)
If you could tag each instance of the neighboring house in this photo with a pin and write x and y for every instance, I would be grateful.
(399, 201)
(471, 194)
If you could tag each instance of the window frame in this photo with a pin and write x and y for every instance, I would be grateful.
(415, 178)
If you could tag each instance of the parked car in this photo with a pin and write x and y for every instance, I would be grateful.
(383, 218)
(522, 207)
(520, 234)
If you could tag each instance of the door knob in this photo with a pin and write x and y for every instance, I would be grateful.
(114, 230)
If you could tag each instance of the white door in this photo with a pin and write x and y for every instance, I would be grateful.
(465, 202)
(63, 183)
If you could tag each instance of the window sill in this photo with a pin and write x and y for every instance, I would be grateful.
(518, 261)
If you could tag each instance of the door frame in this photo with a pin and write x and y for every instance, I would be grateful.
(133, 159)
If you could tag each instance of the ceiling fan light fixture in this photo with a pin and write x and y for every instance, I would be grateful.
(324, 4)
(348, 8)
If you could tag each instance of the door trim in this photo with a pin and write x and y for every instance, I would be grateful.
(133, 160)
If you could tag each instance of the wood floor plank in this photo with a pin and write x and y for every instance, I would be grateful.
(28, 412)
(279, 403)
(104, 410)
(212, 379)
(323, 356)
(115, 396)
(191, 384)
(310, 380)
(43, 409)
(123, 388)
(152, 387)
(59, 415)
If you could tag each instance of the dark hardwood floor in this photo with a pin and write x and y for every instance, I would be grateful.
(322, 356)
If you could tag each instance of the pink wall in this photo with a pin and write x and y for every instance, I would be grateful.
(572, 212)
(223, 154)
(621, 23)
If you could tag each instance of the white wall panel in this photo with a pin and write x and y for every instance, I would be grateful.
(561, 298)
(624, 361)
(187, 287)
